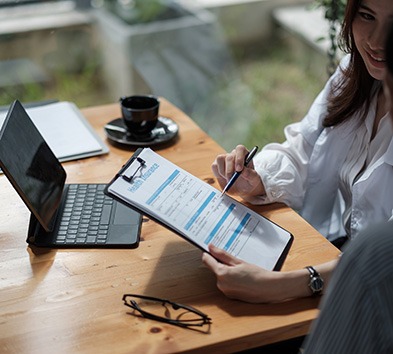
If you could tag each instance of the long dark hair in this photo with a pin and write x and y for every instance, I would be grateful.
(389, 50)
(353, 91)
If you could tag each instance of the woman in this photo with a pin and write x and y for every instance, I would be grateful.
(335, 166)
(357, 312)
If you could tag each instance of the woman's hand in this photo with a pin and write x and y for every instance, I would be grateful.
(243, 281)
(247, 282)
(249, 183)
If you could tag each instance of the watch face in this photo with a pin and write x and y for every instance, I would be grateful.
(316, 284)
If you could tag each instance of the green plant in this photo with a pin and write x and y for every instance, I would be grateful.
(334, 11)
(140, 11)
(283, 91)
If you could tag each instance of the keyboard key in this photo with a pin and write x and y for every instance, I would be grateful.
(91, 239)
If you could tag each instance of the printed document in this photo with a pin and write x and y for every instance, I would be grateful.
(196, 211)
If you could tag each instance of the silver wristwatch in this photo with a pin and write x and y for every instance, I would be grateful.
(316, 282)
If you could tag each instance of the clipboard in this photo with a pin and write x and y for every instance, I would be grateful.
(196, 211)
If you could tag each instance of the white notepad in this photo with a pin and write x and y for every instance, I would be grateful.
(66, 130)
(196, 211)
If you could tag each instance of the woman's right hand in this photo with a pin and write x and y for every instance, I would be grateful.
(248, 184)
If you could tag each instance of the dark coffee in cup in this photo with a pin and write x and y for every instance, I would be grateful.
(140, 114)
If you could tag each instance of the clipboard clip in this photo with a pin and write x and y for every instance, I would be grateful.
(129, 179)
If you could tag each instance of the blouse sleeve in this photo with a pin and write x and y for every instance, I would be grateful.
(283, 167)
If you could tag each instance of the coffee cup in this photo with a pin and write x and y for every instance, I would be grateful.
(140, 114)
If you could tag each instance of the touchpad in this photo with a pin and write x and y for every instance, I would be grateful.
(125, 215)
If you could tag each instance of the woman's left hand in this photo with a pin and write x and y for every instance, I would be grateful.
(243, 281)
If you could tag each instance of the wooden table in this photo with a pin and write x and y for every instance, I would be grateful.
(70, 301)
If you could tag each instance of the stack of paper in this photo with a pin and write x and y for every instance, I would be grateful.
(66, 130)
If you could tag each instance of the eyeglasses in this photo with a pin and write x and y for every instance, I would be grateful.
(166, 311)
(142, 164)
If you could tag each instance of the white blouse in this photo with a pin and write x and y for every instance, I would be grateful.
(335, 177)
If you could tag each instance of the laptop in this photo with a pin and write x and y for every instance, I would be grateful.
(62, 215)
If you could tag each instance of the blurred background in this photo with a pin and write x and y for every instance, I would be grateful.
(242, 69)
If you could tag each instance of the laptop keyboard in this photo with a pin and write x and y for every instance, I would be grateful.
(86, 215)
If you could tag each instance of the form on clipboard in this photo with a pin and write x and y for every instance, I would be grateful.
(193, 209)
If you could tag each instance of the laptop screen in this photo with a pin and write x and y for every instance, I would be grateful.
(30, 165)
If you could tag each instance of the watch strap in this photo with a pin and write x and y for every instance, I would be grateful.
(316, 282)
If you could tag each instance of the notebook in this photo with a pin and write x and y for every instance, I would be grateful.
(62, 215)
(64, 128)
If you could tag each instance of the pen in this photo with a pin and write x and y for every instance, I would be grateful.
(236, 175)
